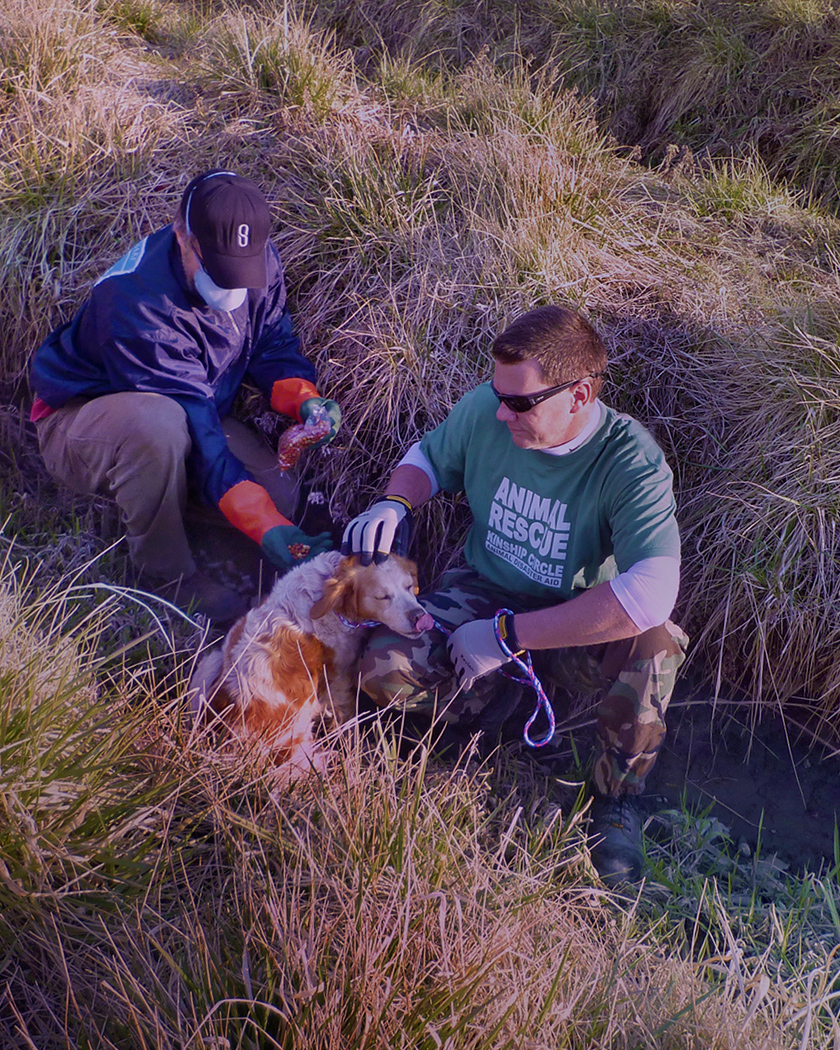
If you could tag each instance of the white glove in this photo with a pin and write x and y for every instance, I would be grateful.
(371, 534)
(475, 651)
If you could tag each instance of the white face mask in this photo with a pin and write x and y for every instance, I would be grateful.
(218, 298)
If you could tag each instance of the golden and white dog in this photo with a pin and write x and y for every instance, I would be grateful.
(294, 658)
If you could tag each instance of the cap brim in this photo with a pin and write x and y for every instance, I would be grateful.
(242, 271)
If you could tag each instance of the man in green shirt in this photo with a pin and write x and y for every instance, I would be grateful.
(574, 534)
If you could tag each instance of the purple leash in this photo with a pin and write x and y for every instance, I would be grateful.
(529, 678)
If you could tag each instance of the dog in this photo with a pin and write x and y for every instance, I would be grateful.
(292, 661)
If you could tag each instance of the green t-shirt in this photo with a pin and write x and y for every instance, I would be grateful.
(550, 526)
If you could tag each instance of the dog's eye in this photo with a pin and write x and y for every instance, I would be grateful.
(382, 597)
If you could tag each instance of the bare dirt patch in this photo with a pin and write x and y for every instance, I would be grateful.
(770, 784)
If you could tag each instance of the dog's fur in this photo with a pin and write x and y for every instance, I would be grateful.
(291, 661)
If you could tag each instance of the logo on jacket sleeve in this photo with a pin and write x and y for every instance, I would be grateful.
(127, 264)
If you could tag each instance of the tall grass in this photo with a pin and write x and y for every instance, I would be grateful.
(82, 119)
(719, 77)
(757, 80)
(280, 56)
(155, 891)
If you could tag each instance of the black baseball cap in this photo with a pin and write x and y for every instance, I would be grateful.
(229, 216)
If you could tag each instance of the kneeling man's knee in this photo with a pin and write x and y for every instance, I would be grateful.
(396, 669)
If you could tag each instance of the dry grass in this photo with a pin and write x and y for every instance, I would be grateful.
(155, 892)
(80, 119)
(723, 78)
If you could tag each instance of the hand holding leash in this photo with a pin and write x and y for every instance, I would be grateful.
(475, 648)
(481, 646)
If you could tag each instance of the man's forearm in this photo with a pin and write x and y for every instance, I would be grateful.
(591, 618)
(411, 483)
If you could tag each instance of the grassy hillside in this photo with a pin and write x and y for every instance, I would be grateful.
(420, 204)
(720, 78)
(434, 169)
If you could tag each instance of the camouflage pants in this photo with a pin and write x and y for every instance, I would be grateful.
(636, 675)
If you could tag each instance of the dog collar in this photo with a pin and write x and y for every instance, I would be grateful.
(353, 626)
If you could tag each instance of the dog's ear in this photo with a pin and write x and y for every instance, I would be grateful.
(333, 592)
(343, 592)
(410, 567)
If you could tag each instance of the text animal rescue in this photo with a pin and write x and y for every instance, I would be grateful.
(524, 517)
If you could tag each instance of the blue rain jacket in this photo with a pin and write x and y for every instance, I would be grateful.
(143, 329)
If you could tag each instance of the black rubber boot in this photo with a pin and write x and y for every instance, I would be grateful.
(615, 839)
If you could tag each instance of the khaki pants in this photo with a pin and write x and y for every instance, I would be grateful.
(134, 447)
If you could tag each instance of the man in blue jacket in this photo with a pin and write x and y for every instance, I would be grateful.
(134, 393)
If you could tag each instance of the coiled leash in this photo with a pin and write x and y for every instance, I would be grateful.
(529, 678)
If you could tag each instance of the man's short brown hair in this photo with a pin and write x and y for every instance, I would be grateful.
(565, 346)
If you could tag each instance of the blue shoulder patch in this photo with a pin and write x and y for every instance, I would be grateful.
(127, 264)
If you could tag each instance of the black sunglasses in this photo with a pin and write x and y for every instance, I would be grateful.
(525, 402)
